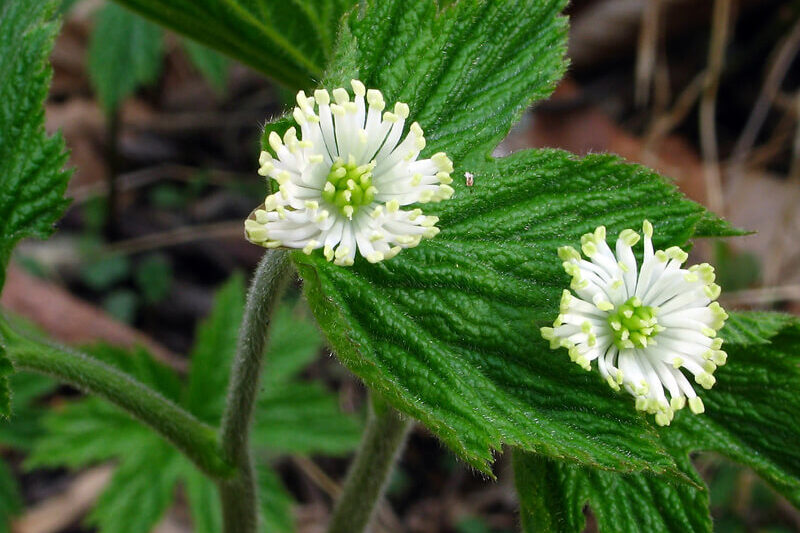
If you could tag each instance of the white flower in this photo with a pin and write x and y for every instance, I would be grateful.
(343, 182)
(642, 326)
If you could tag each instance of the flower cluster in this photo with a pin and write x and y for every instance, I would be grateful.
(642, 326)
(343, 182)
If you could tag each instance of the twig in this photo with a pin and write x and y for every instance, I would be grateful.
(71, 320)
(787, 49)
(182, 235)
(387, 519)
(113, 160)
(646, 52)
(767, 295)
(58, 512)
(665, 123)
(773, 267)
(761, 155)
(708, 103)
(146, 176)
(794, 169)
(318, 476)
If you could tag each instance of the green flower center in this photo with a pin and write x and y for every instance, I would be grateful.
(349, 186)
(633, 325)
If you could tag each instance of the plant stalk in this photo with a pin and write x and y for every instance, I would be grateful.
(238, 494)
(380, 447)
(195, 439)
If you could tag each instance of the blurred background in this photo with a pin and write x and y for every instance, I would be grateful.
(164, 140)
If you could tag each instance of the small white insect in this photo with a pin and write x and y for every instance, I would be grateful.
(469, 178)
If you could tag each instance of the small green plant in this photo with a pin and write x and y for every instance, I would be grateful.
(430, 287)
(148, 468)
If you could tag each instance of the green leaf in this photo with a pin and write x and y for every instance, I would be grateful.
(134, 502)
(23, 427)
(288, 41)
(10, 500)
(448, 331)
(91, 431)
(203, 501)
(104, 273)
(754, 327)
(291, 417)
(749, 417)
(213, 353)
(712, 225)
(303, 418)
(275, 502)
(154, 278)
(125, 52)
(140, 364)
(87, 432)
(32, 179)
(466, 73)
(751, 413)
(552, 496)
(210, 64)
(294, 342)
(5, 391)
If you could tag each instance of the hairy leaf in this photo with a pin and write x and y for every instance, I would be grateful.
(749, 418)
(745, 329)
(287, 41)
(32, 178)
(751, 413)
(552, 496)
(125, 53)
(466, 73)
(449, 331)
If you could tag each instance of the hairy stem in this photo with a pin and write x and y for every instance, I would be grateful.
(238, 494)
(192, 437)
(381, 444)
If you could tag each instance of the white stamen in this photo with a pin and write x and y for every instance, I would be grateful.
(345, 174)
(644, 326)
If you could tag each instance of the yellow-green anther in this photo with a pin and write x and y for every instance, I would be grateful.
(647, 229)
(632, 324)
(349, 186)
(568, 253)
(629, 237)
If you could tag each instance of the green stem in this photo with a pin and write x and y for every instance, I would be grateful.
(195, 439)
(381, 444)
(238, 494)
